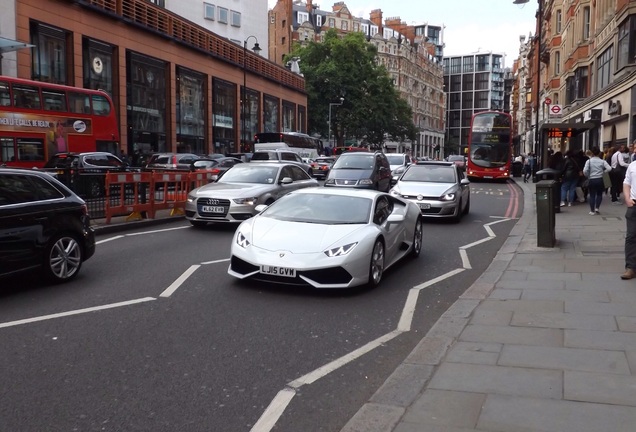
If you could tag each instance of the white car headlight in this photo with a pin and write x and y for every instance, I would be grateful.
(340, 250)
(448, 197)
(242, 241)
(191, 198)
(366, 182)
(248, 201)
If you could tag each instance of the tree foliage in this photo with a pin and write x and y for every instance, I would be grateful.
(346, 67)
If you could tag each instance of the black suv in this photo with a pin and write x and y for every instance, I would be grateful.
(286, 156)
(364, 170)
(43, 225)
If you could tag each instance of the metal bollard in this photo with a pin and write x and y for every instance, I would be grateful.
(546, 219)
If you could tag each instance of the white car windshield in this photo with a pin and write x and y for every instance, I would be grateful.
(363, 162)
(321, 209)
(395, 159)
(247, 173)
(430, 174)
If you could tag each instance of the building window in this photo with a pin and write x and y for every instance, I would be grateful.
(558, 21)
(190, 107)
(272, 19)
(344, 25)
(160, 3)
(469, 64)
(586, 23)
(222, 15)
(557, 63)
(224, 116)
(50, 53)
(236, 19)
(332, 22)
(97, 59)
(580, 82)
(356, 27)
(626, 44)
(209, 11)
(604, 69)
(302, 17)
(270, 113)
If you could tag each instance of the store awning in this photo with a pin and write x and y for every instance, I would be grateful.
(7, 45)
(568, 129)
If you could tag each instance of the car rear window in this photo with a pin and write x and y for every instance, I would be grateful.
(262, 156)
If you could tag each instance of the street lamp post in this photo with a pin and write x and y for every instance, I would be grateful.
(332, 105)
(538, 150)
(257, 49)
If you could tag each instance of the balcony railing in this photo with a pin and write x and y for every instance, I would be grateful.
(148, 15)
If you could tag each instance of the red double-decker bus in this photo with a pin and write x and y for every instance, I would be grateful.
(39, 119)
(490, 146)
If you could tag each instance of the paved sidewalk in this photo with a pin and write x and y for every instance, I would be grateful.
(544, 340)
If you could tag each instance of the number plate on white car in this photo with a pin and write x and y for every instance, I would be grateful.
(424, 206)
(278, 271)
(212, 209)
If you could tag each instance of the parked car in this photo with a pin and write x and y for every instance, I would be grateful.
(321, 166)
(84, 173)
(356, 235)
(440, 189)
(285, 156)
(235, 195)
(364, 170)
(43, 226)
(171, 161)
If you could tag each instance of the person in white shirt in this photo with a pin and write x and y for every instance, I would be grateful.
(620, 161)
(593, 170)
(629, 194)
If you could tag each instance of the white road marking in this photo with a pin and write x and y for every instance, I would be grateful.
(215, 262)
(156, 231)
(109, 239)
(409, 310)
(273, 412)
(465, 260)
(484, 240)
(180, 280)
(75, 312)
(332, 366)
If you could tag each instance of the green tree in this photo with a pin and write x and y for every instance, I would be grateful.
(346, 67)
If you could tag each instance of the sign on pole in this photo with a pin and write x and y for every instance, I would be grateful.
(555, 110)
(548, 101)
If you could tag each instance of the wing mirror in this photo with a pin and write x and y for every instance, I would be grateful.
(286, 180)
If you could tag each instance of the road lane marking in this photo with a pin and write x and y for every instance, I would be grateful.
(465, 261)
(156, 231)
(216, 261)
(273, 412)
(75, 312)
(180, 280)
(109, 239)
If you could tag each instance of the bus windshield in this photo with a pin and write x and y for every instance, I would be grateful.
(490, 142)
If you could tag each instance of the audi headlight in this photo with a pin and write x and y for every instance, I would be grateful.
(330, 181)
(242, 241)
(191, 198)
(248, 201)
(448, 197)
(340, 250)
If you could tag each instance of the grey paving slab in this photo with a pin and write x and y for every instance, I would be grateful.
(526, 284)
(600, 340)
(486, 317)
(564, 321)
(462, 308)
(607, 278)
(604, 284)
(448, 327)
(374, 418)
(596, 308)
(554, 276)
(626, 324)
(505, 294)
(628, 296)
(558, 358)
(563, 295)
(555, 267)
(631, 358)
(512, 276)
(574, 267)
(478, 290)
(414, 427)
(478, 378)
(521, 414)
(522, 305)
(445, 408)
(430, 350)
(600, 388)
(513, 335)
(404, 385)
(477, 353)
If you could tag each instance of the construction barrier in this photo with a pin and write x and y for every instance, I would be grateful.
(171, 190)
(129, 193)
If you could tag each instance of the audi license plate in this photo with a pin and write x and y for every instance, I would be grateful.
(212, 209)
(424, 206)
(278, 271)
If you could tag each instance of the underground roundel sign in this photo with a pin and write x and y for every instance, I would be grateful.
(555, 109)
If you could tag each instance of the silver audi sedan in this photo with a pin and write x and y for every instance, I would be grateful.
(241, 188)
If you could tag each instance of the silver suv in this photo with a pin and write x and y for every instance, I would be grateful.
(286, 156)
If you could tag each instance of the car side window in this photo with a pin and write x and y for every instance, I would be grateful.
(383, 208)
(46, 190)
(383, 162)
(286, 172)
(298, 174)
(16, 189)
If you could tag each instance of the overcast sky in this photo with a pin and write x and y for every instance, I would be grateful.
(471, 25)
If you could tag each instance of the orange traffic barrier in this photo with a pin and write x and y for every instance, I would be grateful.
(170, 191)
(129, 193)
(202, 177)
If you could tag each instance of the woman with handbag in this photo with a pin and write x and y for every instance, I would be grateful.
(597, 172)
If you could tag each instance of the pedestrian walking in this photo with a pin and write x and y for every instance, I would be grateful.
(569, 179)
(531, 161)
(629, 194)
(581, 191)
(593, 170)
(619, 162)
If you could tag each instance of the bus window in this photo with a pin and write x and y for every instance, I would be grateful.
(7, 151)
(5, 95)
(54, 100)
(101, 106)
(79, 103)
(30, 149)
(26, 97)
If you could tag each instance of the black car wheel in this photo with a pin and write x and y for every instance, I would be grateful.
(417, 239)
(63, 258)
(376, 266)
(467, 208)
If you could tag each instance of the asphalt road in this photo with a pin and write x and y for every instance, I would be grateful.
(143, 341)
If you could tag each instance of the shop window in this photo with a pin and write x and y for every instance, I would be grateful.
(50, 54)
(270, 113)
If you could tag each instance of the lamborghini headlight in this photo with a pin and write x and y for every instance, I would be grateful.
(242, 241)
(340, 250)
